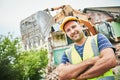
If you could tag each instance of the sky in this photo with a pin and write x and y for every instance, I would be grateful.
(13, 11)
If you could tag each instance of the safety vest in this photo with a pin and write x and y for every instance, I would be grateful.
(90, 50)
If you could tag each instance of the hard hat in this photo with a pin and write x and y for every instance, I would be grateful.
(71, 18)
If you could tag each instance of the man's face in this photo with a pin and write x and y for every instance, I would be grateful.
(74, 31)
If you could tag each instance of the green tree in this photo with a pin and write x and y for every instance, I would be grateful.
(8, 49)
(33, 64)
(20, 65)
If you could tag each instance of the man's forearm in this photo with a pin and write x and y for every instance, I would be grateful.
(100, 67)
(93, 72)
(74, 70)
(77, 69)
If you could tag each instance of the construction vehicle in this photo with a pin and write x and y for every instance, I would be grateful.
(67, 10)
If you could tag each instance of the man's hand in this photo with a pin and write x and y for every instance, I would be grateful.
(60, 73)
(64, 71)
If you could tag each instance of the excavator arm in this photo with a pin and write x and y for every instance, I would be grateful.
(67, 10)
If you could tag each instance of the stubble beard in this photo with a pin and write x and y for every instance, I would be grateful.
(80, 36)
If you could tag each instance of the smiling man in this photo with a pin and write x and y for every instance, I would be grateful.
(89, 58)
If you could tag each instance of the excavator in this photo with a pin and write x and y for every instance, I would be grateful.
(67, 10)
(89, 25)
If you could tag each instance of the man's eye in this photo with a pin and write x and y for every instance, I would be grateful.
(67, 30)
(73, 26)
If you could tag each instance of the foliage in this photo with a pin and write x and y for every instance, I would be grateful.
(33, 64)
(9, 47)
(16, 64)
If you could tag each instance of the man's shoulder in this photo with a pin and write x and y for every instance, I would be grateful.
(101, 35)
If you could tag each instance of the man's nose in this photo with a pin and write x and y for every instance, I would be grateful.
(72, 30)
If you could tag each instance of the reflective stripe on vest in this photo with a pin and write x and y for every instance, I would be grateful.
(90, 50)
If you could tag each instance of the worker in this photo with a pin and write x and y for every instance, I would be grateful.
(89, 58)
